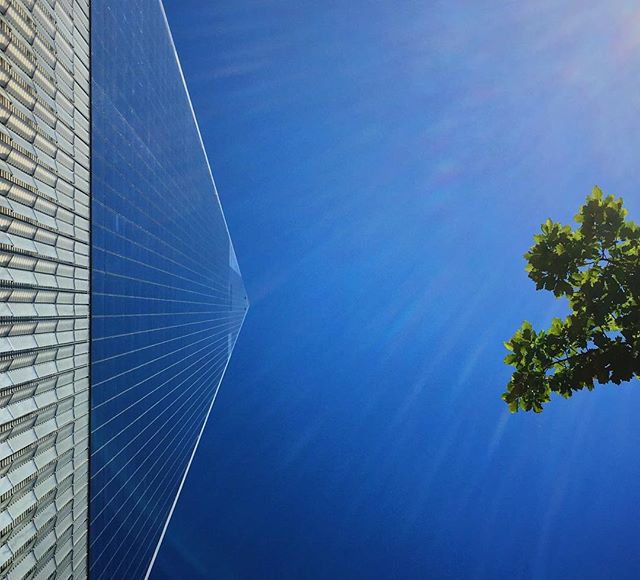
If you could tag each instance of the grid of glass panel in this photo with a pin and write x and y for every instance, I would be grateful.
(44, 287)
(167, 297)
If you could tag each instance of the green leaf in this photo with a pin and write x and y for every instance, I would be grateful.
(597, 268)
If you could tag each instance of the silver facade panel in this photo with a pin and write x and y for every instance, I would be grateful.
(44, 287)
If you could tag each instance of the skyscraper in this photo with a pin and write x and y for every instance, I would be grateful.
(120, 294)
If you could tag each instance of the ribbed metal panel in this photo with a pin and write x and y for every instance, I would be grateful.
(44, 287)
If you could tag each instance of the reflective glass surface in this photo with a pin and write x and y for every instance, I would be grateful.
(167, 299)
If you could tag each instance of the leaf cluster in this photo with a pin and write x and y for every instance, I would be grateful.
(596, 267)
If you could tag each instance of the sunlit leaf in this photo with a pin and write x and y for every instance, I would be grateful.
(596, 266)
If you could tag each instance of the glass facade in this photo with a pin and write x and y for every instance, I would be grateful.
(167, 299)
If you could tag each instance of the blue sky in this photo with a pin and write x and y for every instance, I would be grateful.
(383, 167)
